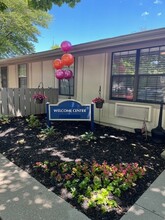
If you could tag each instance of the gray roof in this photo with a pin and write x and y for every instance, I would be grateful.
(79, 49)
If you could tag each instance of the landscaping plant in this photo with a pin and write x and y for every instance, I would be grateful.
(48, 132)
(4, 119)
(33, 121)
(88, 136)
(95, 185)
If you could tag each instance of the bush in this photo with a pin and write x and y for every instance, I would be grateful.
(48, 132)
(4, 119)
(88, 136)
(33, 122)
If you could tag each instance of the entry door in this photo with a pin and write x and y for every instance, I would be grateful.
(3, 77)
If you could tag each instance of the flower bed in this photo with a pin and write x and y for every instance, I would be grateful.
(93, 185)
(25, 142)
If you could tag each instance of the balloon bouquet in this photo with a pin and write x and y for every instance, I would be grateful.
(66, 60)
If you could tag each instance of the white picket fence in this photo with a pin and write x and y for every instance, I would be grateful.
(20, 102)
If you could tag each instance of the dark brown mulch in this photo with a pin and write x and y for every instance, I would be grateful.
(111, 145)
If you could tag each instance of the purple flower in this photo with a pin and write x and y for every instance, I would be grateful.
(39, 96)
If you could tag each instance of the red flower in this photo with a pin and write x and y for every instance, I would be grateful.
(68, 176)
(38, 164)
(98, 99)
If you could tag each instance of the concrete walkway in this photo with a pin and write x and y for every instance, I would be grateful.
(151, 205)
(24, 198)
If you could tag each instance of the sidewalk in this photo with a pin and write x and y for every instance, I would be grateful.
(24, 198)
(151, 205)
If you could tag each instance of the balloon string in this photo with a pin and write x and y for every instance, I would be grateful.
(69, 88)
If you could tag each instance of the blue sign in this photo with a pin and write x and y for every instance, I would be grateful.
(70, 110)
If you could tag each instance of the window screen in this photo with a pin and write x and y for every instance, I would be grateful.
(66, 86)
(3, 77)
(123, 71)
(141, 70)
(151, 84)
(22, 75)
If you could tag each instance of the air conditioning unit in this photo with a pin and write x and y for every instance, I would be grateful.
(131, 111)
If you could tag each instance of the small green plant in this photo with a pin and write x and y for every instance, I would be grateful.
(33, 121)
(4, 119)
(88, 136)
(101, 198)
(48, 132)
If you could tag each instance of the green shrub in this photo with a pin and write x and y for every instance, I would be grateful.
(4, 119)
(88, 136)
(48, 132)
(33, 121)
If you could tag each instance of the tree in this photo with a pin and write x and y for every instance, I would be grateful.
(47, 4)
(19, 28)
(55, 46)
(42, 4)
(2, 6)
(19, 22)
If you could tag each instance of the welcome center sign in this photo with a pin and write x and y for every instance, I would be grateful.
(70, 110)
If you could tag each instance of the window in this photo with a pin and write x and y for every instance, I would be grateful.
(123, 74)
(139, 75)
(22, 75)
(66, 86)
(3, 77)
(151, 86)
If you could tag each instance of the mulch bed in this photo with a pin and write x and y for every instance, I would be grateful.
(21, 145)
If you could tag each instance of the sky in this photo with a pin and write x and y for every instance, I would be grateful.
(92, 20)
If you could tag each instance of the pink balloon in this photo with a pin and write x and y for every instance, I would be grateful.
(66, 46)
(59, 74)
(68, 74)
